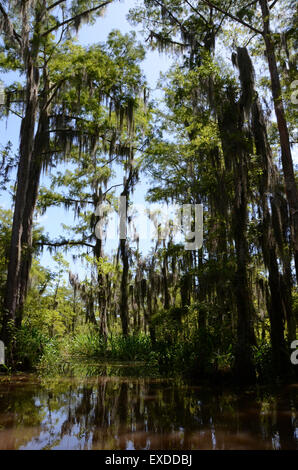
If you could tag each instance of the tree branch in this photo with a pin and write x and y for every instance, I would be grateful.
(273, 4)
(171, 15)
(251, 3)
(235, 18)
(221, 21)
(14, 112)
(76, 17)
(170, 41)
(55, 4)
(65, 243)
(65, 200)
(250, 39)
(114, 186)
(56, 87)
(196, 11)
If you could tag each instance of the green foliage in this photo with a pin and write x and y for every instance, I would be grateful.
(52, 359)
(5, 233)
(264, 363)
(196, 355)
(86, 343)
(49, 304)
(130, 348)
(31, 344)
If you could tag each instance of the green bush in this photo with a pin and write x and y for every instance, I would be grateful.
(264, 363)
(30, 345)
(51, 355)
(130, 348)
(87, 344)
(200, 354)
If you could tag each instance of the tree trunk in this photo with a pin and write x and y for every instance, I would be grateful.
(244, 367)
(40, 147)
(279, 301)
(124, 293)
(281, 357)
(165, 281)
(125, 270)
(235, 149)
(128, 184)
(286, 156)
(12, 293)
(102, 301)
(26, 149)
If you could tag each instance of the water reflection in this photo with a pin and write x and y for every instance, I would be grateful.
(108, 411)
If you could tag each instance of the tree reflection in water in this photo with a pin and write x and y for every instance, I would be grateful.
(102, 408)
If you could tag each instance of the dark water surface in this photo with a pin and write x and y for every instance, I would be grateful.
(113, 407)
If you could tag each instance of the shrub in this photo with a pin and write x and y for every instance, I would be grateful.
(88, 344)
(130, 348)
(30, 345)
(51, 358)
(264, 363)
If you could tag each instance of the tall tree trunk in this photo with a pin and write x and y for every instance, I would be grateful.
(12, 292)
(147, 309)
(102, 301)
(244, 367)
(287, 296)
(235, 149)
(26, 240)
(286, 155)
(281, 357)
(26, 149)
(123, 247)
(279, 301)
(123, 287)
(41, 144)
(125, 266)
(165, 281)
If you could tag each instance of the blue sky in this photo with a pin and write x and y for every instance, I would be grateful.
(154, 63)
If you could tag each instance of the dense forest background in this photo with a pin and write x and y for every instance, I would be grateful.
(222, 134)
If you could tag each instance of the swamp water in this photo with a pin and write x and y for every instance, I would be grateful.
(122, 407)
